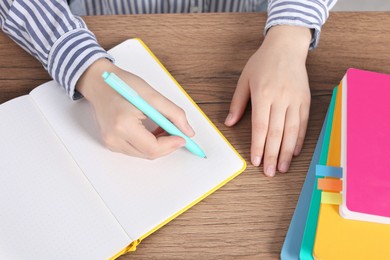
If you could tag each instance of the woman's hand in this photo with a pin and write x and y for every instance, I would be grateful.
(121, 124)
(275, 79)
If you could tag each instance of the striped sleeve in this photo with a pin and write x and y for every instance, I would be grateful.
(51, 33)
(307, 13)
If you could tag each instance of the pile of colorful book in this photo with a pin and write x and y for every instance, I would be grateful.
(343, 211)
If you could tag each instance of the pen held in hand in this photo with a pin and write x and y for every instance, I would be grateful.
(132, 96)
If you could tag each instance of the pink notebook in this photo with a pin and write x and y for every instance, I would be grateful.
(366, 146)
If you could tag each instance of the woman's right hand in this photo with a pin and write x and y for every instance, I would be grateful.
(121, 124)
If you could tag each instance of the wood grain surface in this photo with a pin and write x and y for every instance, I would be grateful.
(248, 218)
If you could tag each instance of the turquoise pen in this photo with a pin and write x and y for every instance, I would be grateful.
(132, 96)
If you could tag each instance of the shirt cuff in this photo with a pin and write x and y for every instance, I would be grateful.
(71, 55)
(311, 14)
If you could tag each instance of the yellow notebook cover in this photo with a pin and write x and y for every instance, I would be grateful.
(61, 185)
(339, 238)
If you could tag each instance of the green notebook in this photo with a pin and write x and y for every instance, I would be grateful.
(309, 234)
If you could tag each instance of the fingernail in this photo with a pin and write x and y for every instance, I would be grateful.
(283, 166)
(270, 171)
(190, 130)
(257, 161)
(228, 119)
(181, 142)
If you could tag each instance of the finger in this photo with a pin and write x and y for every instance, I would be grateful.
(290, 135)
(158, 132)
(116, 143)
(152, 147)
(304, 119)
(126, 148)
(173, 113)
(260, 123)
(274, 139)
(170, 110)
(239, 101)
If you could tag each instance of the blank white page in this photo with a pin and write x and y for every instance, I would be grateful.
(141, 193)
(48, 210)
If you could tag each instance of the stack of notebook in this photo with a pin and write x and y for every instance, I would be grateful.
(343, 211)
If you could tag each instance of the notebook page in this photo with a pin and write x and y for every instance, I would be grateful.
(48, 210)
(141, 193)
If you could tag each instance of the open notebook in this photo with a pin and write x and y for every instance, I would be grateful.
(63, 195)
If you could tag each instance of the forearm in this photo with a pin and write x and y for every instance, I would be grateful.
(51, 33)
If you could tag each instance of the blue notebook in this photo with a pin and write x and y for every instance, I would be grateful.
(293, 241)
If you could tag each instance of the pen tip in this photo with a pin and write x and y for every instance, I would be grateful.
(205, 157)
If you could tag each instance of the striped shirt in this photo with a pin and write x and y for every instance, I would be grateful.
(54, 33)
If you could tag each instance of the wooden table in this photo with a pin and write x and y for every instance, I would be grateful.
(249, 217)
